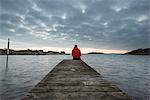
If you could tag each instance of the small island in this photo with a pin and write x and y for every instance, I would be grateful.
(145, 51)
(95, 53)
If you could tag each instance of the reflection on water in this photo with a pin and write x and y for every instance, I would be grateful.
(23, 72)
(20, 73)
(6, 64)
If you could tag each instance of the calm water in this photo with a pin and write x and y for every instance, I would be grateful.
(130, 73)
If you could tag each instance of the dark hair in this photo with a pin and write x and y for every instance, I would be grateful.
(75, 46)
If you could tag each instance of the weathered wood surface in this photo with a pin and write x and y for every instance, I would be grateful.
(74, 80)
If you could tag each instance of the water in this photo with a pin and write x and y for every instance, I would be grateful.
(130, 73)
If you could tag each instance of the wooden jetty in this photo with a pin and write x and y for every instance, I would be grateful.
(74, 80)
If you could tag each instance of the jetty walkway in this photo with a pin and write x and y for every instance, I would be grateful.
(74, 80)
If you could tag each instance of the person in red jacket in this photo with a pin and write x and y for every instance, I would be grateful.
(76, 53)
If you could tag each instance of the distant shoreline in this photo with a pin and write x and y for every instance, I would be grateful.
(30, 52)
(41, 52)
(63, 54)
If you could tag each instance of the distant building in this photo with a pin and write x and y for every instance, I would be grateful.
(62, 52)
(50, 53)
(1, 51)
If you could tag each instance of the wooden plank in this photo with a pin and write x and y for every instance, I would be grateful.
(74, 80)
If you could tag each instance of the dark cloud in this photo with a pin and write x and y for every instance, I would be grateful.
(103, 24)
(15, 6)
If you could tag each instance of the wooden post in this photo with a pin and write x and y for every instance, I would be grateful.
(7, 53)
(8, 47)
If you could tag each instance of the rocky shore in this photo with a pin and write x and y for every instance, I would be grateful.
(139, 52)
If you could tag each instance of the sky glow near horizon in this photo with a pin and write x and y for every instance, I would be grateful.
(109, 26)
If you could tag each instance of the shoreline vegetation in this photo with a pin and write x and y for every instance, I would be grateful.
(145, 51)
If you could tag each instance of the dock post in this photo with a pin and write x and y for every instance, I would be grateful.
(7, 53)
(8, 47)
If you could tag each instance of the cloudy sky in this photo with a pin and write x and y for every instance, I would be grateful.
(94, 25)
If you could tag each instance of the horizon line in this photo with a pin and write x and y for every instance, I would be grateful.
(68, 50)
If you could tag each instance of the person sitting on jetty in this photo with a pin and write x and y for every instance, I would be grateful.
(76, 53)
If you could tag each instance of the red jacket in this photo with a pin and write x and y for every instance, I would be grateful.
(76, 53)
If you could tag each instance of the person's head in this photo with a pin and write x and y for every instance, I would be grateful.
(75, 46)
